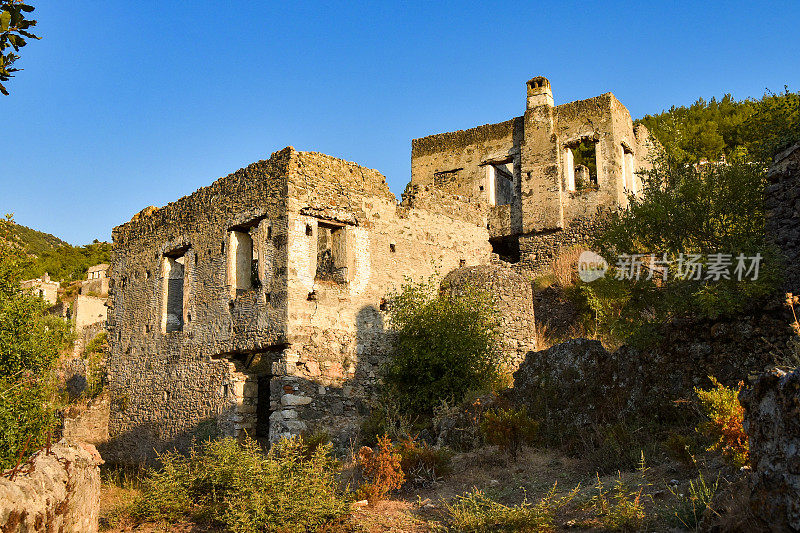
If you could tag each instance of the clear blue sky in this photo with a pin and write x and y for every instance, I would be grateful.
(127, 104)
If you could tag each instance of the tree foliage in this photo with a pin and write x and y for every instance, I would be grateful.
(708, 130)
(447, 345)
(15, 28)
(683, 209)
(29, 345)
(67, 262)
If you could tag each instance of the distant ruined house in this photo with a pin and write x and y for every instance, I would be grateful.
(43, 287)
(256, 304)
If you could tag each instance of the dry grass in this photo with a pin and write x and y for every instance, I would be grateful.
(565, 266)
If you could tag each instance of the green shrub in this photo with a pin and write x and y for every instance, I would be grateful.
(684, 210)
(477, 513)
(247, 491)
(447, 345)
(509, 429)
(29, 345)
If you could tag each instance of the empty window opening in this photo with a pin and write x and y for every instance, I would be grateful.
(392, 247)
(580, 165)
(501, 183)
(242, 262)
(507, 248)
(262, 407)
(173, 292)
(331, 253)
(629, 180)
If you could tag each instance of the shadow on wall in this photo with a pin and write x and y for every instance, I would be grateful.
(329, 390)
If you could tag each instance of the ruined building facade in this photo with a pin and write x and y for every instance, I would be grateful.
(540, 178)
(257, 304)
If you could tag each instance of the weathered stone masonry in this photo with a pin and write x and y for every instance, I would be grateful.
(522, 172)
(273, 324)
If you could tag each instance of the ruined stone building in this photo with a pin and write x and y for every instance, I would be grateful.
(257, 304)
(540, 178)
(43, 287)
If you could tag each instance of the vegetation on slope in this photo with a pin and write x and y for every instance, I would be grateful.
(47, 253)
(30, 342)
(752, 129)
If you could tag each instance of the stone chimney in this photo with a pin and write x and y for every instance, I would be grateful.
(539, 92)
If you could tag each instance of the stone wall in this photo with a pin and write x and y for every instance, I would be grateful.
(783, 212)
(539, 250)
(544, 211)
(579, 383)
(772, 424)
(512, 297)
(167, 387)
(88, 310)
(338, 333)
(55, 490)
(87, 422)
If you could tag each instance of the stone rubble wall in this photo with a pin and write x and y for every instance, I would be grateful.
(87, 422)
(539, 250)
(301, 349)
(772, 424)
(579, 383)
(57, 490)
(783, 212)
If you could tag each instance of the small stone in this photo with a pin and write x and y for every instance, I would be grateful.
(294, 399)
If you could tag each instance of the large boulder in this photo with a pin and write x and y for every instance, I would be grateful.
(772, 424)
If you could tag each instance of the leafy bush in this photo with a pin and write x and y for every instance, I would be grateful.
(244, 489)
(724, 425)
(423, 464)
(29, 345)
(509, 429)
(477, 513)
(682, 211)
(447, 345)
(381, 470)
(95, 354)
(386, 418)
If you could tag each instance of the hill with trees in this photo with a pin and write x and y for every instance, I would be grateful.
(47, 253)
(749, 129)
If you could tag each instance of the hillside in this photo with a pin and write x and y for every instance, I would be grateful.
(33, 241)
(48, 253)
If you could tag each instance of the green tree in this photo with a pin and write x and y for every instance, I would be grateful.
(14, 29)
(718, 209)
(29, 346)
(755, 129)
(447, 345)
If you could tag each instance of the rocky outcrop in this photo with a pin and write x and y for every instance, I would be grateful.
(782, 202)
(772, 423)
(579, 383)
(56, 490)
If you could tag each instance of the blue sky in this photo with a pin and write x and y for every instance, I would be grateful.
(127, 104)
